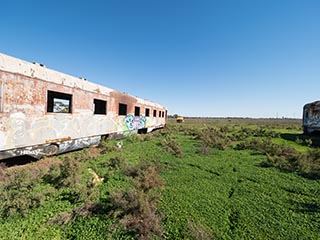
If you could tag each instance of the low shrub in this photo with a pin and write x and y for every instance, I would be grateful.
(70, 175)
(106, 146)
(2, 171)
(199, 232)
(304, 141)
(214, 137)
(172, 146)
(68, 216)
(285, 157)
(71, 182)
(22, 191)
(117, 162)
(205, 150)
(137, 206)
(309, 164)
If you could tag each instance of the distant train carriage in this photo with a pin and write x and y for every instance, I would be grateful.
(311, 117)
(45, 112)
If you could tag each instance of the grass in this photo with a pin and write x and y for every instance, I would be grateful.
(188, 181)
(236, 199)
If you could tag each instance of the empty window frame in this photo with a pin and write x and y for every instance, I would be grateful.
(58, 102)
(100, 106)
(163, 114)
(159, 113)
(122, 109)
(136, 111)
(147, 112)
(154, 113)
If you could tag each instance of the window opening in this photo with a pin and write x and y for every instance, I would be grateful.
(122, 109)
(137, 111)
(100, 106)
(58, 102)
(154, 113)
(147, 112)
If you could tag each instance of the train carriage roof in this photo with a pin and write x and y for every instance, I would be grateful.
(312, 104)
(39, 71)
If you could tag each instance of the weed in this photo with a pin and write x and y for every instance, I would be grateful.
(134, 138)
(278, 155)
(205, 150)
(117, 162)
(70, 173)
(199, 232)
(304, 142)
(137, 206)
(2, 171)
(21, 191)
(172, 146)
(106, 146)
(70, 180)
(214, 137)
(147, 176)
(145, 137)
(68, 216)
(309, 164)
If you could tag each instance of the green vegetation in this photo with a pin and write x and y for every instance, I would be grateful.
(203, 179)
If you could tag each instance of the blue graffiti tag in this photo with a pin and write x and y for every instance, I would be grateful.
(314, 120)
(142, 121)
(135, 123)
(129, 120)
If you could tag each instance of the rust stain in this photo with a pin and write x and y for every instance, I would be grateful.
(119, 97)
(58, 140)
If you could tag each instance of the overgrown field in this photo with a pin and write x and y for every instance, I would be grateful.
(203, 179)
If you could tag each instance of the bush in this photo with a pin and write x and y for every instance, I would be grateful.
(205, 150)
(309, 164)
(2, 171)
(172, 146)
(68, 216)
(214, 137)
(70, 181)
(137, 206)
(199, 232)
(21, 191)
(117, 162)
(70, 173)
(106, 146)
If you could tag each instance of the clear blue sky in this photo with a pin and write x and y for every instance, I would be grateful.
(240, 58)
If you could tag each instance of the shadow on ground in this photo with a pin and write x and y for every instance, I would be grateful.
(303, 139)
(17, 161)
(304, 207)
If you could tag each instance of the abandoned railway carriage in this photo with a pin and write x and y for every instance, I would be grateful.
(311, 117)
(45, 112)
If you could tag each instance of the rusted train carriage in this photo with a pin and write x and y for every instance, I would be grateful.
(45, 112)
(311, 117)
